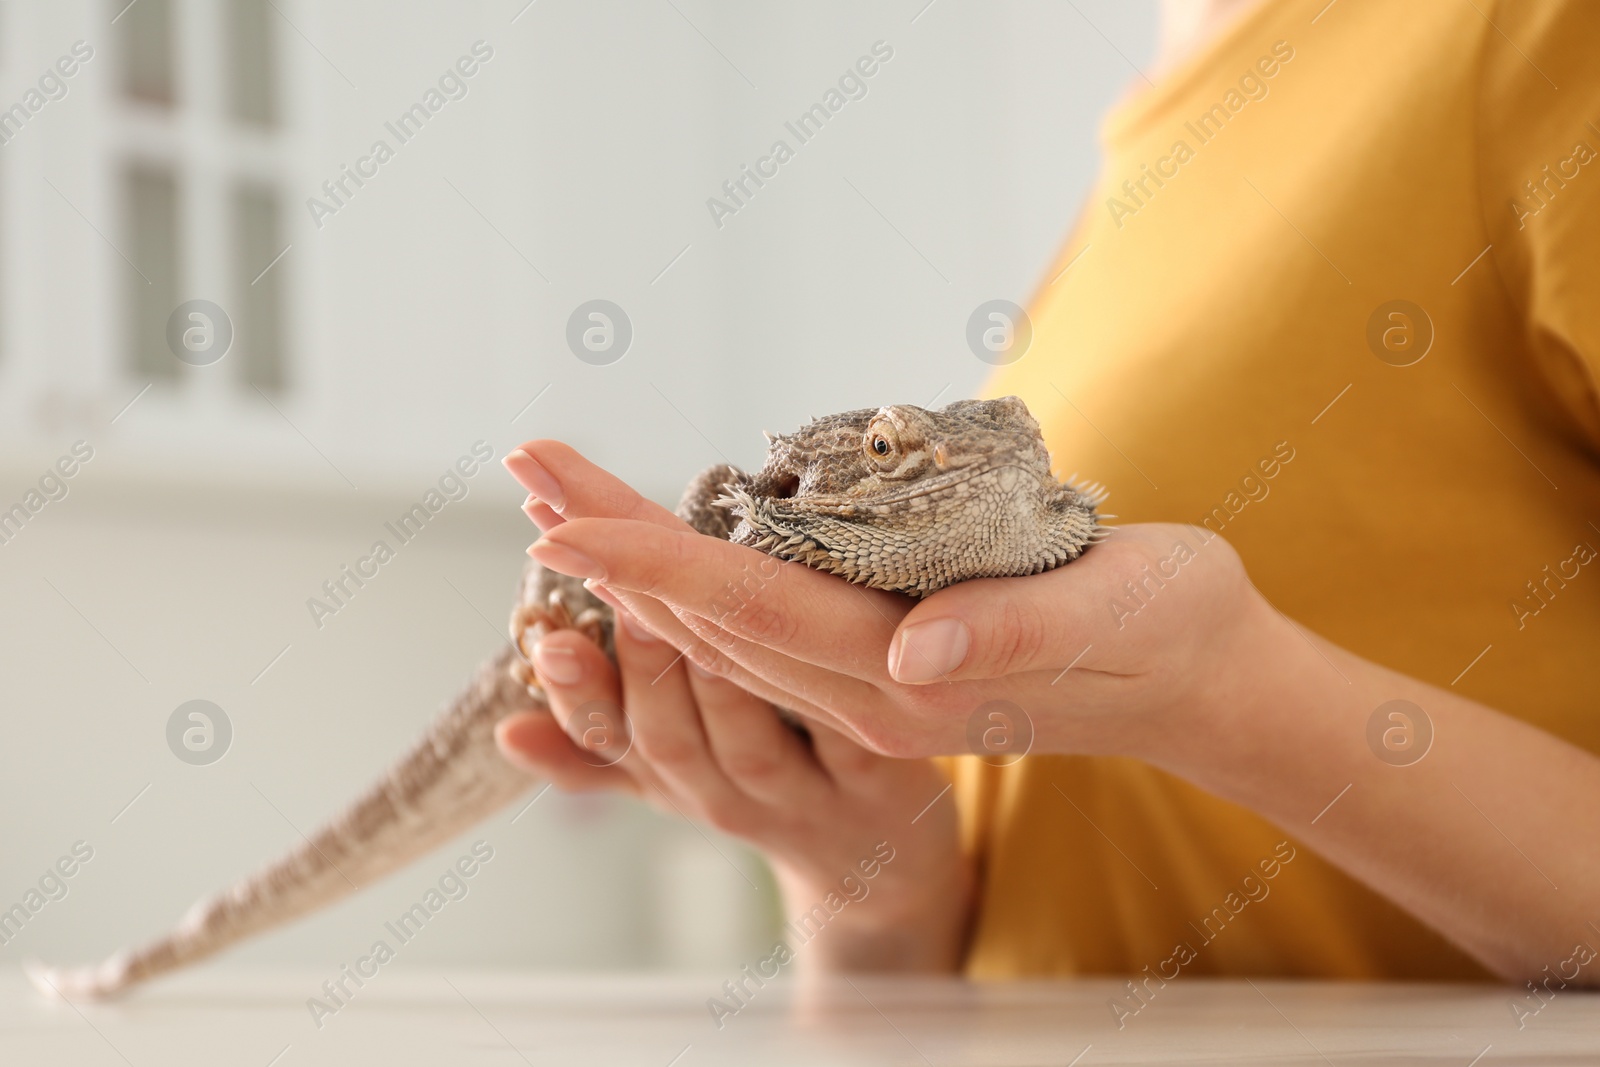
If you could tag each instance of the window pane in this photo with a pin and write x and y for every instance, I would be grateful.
(257, 243)
(150, 201)
(252, 95)
(146, 30)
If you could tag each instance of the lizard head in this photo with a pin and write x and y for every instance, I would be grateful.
(911, 500)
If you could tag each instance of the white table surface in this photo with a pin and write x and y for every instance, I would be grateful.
(257, 1018)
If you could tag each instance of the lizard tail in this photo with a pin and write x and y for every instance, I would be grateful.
(451, 779)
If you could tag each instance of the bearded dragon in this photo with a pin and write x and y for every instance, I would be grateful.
(896, 498)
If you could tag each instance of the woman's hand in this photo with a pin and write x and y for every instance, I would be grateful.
(1108, 654)
(1154, 645)
(832, 818)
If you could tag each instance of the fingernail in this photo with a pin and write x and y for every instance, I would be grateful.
(929, 650)
(535, 479)
(541, 514)
(565, 560)
(635, 628)
(558, 665)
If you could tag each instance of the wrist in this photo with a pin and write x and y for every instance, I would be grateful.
(896, 922)
(1233, 709)
(1278, 707)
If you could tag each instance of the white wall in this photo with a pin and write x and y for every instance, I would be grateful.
(179, 565)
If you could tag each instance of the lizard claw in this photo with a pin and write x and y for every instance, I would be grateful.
(530, 622)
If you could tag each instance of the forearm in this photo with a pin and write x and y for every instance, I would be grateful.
(1489, 837)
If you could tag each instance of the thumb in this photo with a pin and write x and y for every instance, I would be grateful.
(994, 627)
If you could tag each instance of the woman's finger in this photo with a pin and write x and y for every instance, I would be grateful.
(818, 696)
(585, 698)
(756, 600)
(761, 754)
(661, 620)
(542, 514)
(667, 733)
(994, 627)
(909, 788)
(573, 487)
(845, 761)
(535, 742)
(893, 720)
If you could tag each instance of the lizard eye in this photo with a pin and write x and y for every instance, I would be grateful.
(883, 445)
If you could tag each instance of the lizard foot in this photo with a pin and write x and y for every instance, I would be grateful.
(561, 610)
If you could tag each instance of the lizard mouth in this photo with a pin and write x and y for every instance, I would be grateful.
(845, 506)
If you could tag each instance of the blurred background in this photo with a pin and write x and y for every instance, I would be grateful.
(384, 325)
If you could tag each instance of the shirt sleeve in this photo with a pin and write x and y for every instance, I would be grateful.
(1539, 167)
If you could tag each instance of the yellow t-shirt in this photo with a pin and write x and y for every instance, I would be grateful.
(1228, 313)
